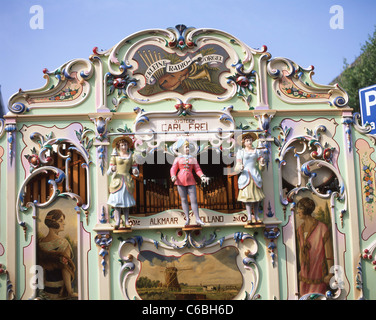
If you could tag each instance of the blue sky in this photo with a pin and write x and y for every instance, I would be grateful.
(296, 29)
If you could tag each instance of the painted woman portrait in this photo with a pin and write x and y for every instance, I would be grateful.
(55, 255)
(315, 250)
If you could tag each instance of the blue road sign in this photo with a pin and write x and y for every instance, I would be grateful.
(367, 99)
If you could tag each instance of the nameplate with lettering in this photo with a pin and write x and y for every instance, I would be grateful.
(175, 218)
(169, 126)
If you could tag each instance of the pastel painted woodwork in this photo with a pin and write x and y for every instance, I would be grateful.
(203, 85)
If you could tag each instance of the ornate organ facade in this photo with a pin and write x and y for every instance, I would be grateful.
(159, 88)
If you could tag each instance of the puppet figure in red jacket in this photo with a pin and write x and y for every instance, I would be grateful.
(182, 175)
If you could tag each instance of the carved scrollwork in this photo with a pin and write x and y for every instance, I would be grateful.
(21, 207)
(103, 241)
(293, 84)
(66, 87)
(42, 164)
(312, 157)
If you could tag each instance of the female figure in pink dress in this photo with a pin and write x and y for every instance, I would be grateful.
(315, 250)
(182, 175)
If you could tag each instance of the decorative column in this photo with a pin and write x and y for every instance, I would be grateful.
(271, 234)
(262, 93)
(103, 228)
(11, 200)
(353, 214)
(271, 231)
(101, 143)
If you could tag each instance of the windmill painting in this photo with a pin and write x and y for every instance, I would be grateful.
(206, 277)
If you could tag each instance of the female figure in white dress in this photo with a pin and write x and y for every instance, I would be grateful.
(250, 163)
(122, 186)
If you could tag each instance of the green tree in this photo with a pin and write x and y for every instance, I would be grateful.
(360, 74)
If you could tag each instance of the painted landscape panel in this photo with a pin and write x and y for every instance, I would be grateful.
(213, 276)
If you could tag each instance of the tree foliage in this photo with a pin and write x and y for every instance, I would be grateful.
(360, 74)
(145, 282)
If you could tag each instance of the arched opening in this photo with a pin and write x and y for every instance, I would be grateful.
(154, 191)
(38, 189)
(325, 180)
